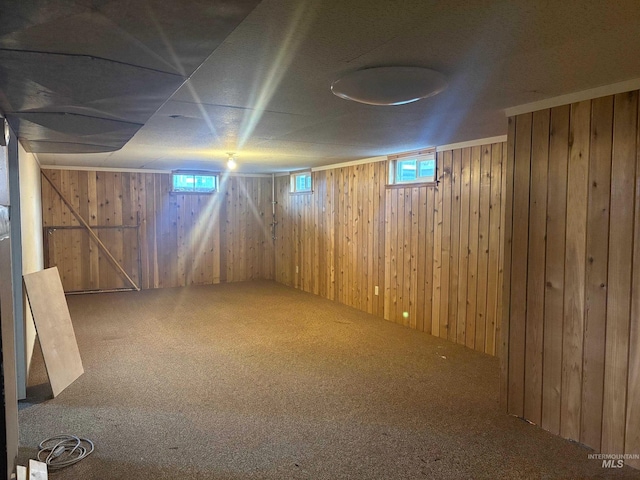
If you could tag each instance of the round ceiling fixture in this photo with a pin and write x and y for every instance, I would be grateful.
(389, 85)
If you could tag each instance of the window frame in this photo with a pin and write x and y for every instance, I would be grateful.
(293, 188)
(417, 156)
(195, 173)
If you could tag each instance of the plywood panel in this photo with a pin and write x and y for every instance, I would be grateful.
(54, 328)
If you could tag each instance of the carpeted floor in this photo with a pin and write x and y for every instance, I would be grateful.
(256, 380)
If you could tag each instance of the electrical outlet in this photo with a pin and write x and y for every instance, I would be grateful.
(376, 290)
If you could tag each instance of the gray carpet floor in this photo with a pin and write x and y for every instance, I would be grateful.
(260, 381)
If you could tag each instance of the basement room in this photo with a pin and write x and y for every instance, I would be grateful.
(319, 239)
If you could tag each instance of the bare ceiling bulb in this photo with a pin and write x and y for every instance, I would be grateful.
(231, 162)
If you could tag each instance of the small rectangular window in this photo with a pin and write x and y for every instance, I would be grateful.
(301, 182)
(194, 182)
(419, 168)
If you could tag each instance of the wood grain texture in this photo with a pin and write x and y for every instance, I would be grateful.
(183, 239)
(412, 242)
(519, 263)
(536, 264)
(585, 302)
(597, 267)
(554, 272)
(616, 361)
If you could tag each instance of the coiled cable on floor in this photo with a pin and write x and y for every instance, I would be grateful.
(63, 450)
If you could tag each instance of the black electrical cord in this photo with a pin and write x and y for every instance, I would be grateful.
(63, 450)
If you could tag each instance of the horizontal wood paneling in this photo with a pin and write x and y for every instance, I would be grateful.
(573, 343)
(433, 252)
(182, 239)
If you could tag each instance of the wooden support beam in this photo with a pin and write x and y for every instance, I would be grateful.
(91, 233)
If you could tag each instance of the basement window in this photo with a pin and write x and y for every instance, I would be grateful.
(194, 182)
(301, 182)
(419, 167)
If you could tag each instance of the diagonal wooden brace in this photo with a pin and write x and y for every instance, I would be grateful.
(91, 233)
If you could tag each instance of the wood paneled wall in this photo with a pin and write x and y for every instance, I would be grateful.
(433, 251)
(572, 272)
(183, 239)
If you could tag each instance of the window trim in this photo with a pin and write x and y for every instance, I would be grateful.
(418, 156)
(195, 173)
(292, 186)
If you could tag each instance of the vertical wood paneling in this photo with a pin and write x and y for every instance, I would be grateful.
(463, 251)
(519, 248)
(454, 253)
(483, 248)
(632, 427)
(554, 271)
(412, 242)
(535, 273)
(623, 172)
(581, 322)
(474, 226)
(179, 234)
(493, 275)
(445, 193)
(597, 266)
(574, 268)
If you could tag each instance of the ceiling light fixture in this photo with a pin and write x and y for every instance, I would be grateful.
(389, 85)
(231, 162)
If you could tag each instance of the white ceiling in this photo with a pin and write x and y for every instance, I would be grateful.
(264, 90)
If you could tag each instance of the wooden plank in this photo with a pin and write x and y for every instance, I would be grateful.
(519, 249)
(483, 248)
(632, 428)
(391, 245)
(429, 262)
(371, 234)
(493, 275)
(406, 262)
(536, 263)
(400, 257)
(554, 271)
(54, 328)
(574, 276)
(472, 274)
(619, 275)
(381, 199)
(445, 244)
(454, 252)
(507, 248)
(92, 219)
(437, 249)
(421, 314)
(463, 262)
(596, 270)
(413, 288)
